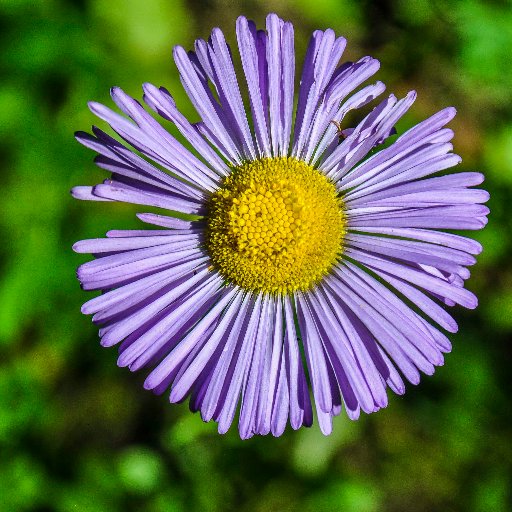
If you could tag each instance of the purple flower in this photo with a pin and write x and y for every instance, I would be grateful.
(305, 263)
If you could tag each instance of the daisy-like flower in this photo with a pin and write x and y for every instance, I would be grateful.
(308, 264)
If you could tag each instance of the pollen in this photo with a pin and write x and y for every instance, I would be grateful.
(275, 225)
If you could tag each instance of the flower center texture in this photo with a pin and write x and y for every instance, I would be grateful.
(276, 225)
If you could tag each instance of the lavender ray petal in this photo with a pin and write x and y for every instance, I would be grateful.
(288, 85)
(327, 53)
(427, 157)
(315, 356)
(328, 133)
(138, 289)
(424, 222)
(360, 333)
(98, 245)
(294, 368)
(439, 251)
(247, 421)
(424, 303)
(347, 78)
(119, 275)
(222, 373)
(306, 80)
(340, 162)
(161, 101)
(115, 157)
(340, 355)
(116, 314)
(85, 193)
(172, 250)
(226, 81)
(154, 352)
(428, 131)
(201, 97)
(123, 194)
(126, 325)
(175, 317)
(364, 135)
(276, 365)
(165, 221)
(265, 396)
(394, 381)
(390, 306)
(425, 128)
(280, 57)
(241, 371)
(167, 146)
(430, 160)
(435, 197)
(447, 217)
(274, 80)
(305, 399)
(422, 279)
(162, 233)
(203, 59)
(165, 150)
(180, 351)
(435, 237)
(251, 57)
(135, 176)
(351, 338)
(281, 402)
(183, 383)
(454, 181)
(403, 353)
(410, 252)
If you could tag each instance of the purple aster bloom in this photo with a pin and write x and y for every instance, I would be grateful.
(307, 274)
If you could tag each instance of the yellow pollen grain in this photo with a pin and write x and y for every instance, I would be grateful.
(276, 225)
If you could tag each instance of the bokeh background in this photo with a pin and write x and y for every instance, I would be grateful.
(79, 434)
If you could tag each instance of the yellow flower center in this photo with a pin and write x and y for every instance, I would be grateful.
(275, 225)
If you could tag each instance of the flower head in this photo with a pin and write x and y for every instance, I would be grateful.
(298, 242)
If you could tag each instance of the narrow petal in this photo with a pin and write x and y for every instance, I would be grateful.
(176, 356)
(251, 58)
(204, 103)
(240, 374)
(183, 383)
(428, 282)
(315, 356)
(161, 101)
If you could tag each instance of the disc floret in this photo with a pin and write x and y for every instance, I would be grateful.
(276, 225)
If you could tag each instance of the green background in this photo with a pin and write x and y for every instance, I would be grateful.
(79, 434)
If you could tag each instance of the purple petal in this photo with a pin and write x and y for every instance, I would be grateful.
(140, 288)
(300, 404)
(116, 158)
(161, 101)
(351, 338)
(428, 282)
(204, 103)
(403, 354)
(436, 237)
(85, 193)
(251, 58)
(223, 371)
(315, 356)
(176, 356)
(248, 408)
(183, 383)
(130, 323)
(240, 374)
(281, 403)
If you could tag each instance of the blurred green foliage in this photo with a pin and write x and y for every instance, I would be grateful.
(76, 433)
